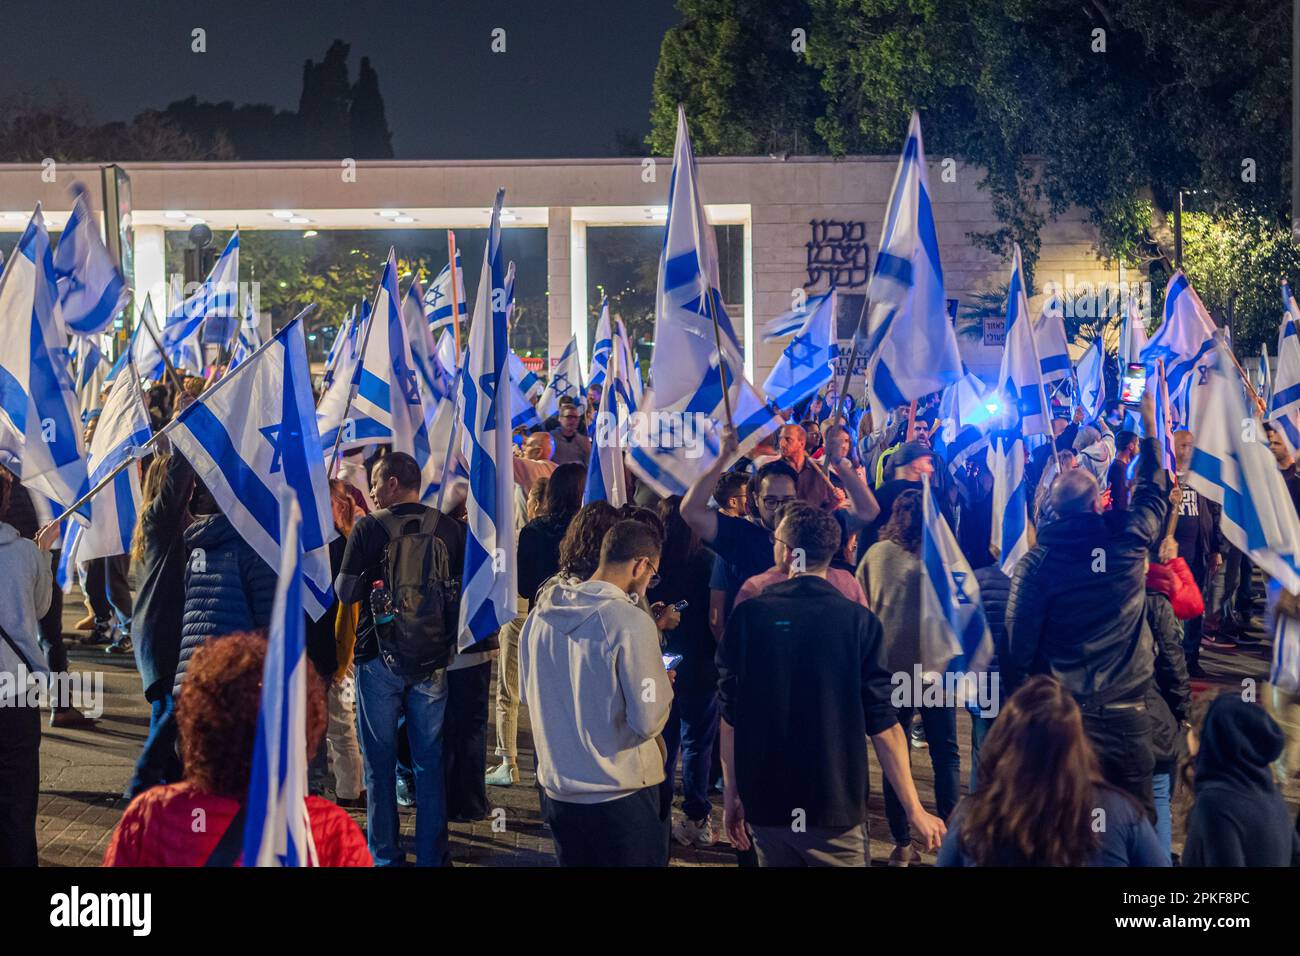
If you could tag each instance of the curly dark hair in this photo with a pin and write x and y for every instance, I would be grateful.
(580, 547)
(904, 524)
(216, 713)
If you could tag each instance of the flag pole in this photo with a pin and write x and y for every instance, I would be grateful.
(448, 461)
(722, 365)
(171, 369)
(853, 356)
(352, 386)
(1042, 389)
(1259, 402)
(455, 290)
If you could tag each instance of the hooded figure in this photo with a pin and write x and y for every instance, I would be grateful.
(1239, 818)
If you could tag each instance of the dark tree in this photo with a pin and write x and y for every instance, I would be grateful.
(371, 138)
(324, 104)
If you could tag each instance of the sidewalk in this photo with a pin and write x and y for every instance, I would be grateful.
(83, 773)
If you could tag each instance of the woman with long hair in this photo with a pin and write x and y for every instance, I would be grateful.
(890, 575)
(1042, 799)
(539, 540)
(217, 714)
(158, 550)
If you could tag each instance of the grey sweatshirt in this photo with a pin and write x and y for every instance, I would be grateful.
(592, 675)
(26, 573)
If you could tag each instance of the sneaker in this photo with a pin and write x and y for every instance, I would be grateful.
(1218, 641)
(65, 718)
(122, 645)
(102, 634)
(1194, 669)
(405, 792)
(904, 855)
(917, 736)
(694, 833)
(502, 776)
(352, 803)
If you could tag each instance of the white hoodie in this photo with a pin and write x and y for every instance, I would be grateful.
(592, 675)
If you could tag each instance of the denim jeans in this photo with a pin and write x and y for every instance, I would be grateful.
(1160, 785)
(941, 735)
(979, 729)
(692, 727)
(381, 697)
(158, 762)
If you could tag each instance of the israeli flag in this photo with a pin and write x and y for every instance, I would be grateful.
(143, 350)
(967, 409)
(344, 337)
(423, 347)
(794, 320)
(1233, 466)
(527, 381)
(91, 288)
(40, 416)
(1284, 403)
(954, 633)
(523, 414)
(1021, 378)
(249, 339)
(603, 348)
(808, 360)
(122, 432)
(488, 584)
(606, 476)
(389, 390)
(1264, 376)
(566, 380)
(1185, 337)
(1053, 350)
(911, 344)
(677, 432)
(628, 357)
(1132, 335)
(277, 829)
(437, 301)
(217, 299)
(91, 370)
(251, 438)
(1023, 411)
(1091, 373)
(1164, 418)
(1286, 385)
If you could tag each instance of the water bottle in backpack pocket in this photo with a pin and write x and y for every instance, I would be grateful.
(416, 609)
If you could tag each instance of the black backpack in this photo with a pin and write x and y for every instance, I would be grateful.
(426, 594)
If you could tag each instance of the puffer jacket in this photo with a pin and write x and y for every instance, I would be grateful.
(228, 587)
(1077, 609)
(1174, 580)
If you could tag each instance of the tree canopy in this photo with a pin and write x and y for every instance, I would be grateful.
(1109, 105)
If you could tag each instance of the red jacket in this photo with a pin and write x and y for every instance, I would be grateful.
(1174, 580)
(177, 825)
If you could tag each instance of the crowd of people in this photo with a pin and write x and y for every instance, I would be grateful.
(752, 630)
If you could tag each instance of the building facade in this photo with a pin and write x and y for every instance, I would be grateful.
(805, 221)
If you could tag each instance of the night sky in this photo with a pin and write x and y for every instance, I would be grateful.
(574, 72)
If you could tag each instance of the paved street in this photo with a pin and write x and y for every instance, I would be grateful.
(84, 772)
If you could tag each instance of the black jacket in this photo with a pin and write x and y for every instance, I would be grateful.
(802, 679)
(539, 552)
(1239, 818)
(1169, 694)
(160, 602)
(995, 590)
(1077, 609)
